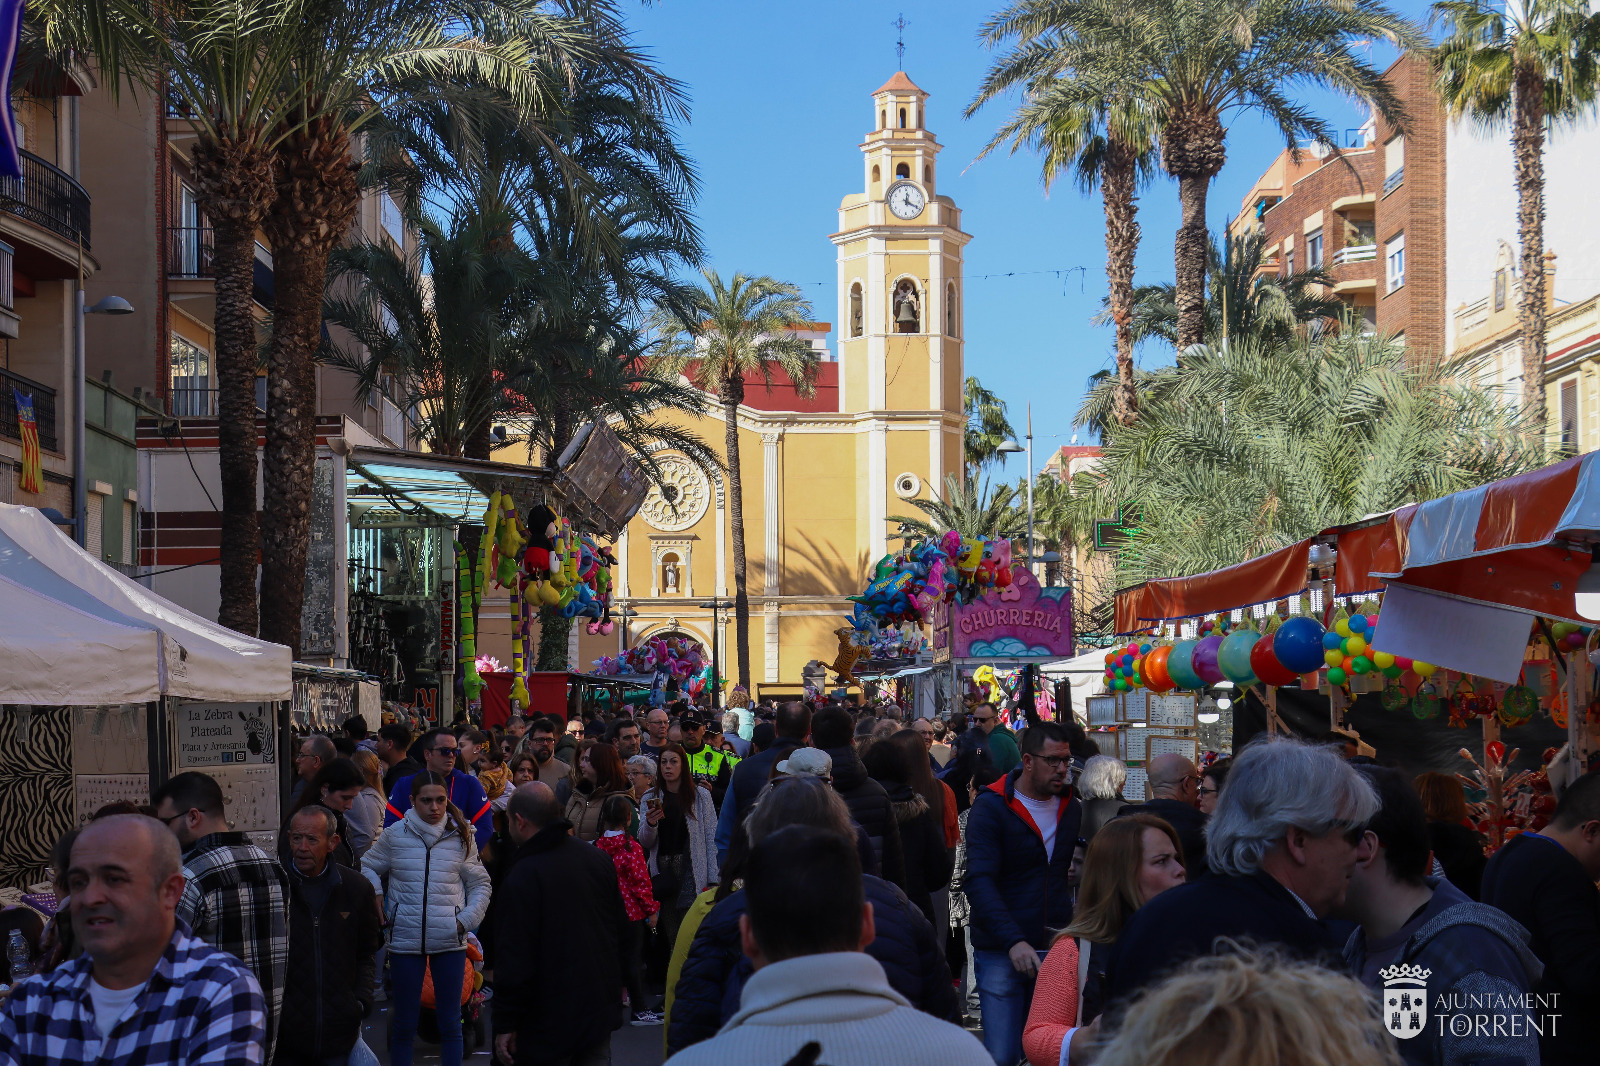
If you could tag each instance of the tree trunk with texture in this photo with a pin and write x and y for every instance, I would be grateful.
(732, 397)
(554, 634)
(1527, 153)
(316, 203)
(233, 186)
(1118, 182)
(1193, 151)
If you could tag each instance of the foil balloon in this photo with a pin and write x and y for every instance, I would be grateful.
(1155, 670)
(1204, 659)
(1180, 666)
(1265, 665)
(1298, 644)
(1233, 657)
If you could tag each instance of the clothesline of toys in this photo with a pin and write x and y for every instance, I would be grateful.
(906, 584)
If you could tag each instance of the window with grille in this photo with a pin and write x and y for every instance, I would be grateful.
(1569, 416)
(95, 533)
(191, 379)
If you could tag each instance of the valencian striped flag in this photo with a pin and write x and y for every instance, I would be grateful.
(32, 479)
(10, 40)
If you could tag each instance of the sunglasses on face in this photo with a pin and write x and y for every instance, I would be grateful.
(452, 752)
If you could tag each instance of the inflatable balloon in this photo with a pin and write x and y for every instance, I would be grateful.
(1156, 677)
(1204, 659)
(1298, 644)
(1264, 663)
(1233, 657)
(1180, 666)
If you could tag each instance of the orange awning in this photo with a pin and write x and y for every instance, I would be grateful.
(1268, 577)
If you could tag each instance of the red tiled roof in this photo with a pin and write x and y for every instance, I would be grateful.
(898, 84)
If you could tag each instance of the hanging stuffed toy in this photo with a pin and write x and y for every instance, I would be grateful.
(471, 682)
(539, 558)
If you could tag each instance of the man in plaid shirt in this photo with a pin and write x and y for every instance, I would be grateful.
(236, 896)
(144, 990)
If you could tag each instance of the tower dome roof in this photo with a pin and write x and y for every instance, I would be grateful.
(898, 84)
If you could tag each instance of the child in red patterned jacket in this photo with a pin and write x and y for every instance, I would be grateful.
(633, 879)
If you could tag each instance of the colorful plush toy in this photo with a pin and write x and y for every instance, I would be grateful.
(848, 655)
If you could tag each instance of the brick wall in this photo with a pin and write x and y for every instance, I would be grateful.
(1416, 208)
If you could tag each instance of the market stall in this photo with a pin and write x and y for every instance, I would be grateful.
(107, 689)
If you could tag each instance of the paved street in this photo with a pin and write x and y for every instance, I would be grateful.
(629, 1046)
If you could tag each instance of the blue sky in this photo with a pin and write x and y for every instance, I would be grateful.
(780, 103)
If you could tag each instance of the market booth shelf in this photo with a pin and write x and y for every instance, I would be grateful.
(107, 687)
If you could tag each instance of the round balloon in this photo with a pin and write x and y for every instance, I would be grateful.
(1204, 659)
(1337, 676)
(1180, 666)
(1265, 665)
(1298, 644)
(1233, 658)
(1155, 669)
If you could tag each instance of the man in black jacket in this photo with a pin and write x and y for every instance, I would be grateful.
(1545, 880)
(1282, 846)
(558, 941)
(867, 799)
(334, 937)
(1172, 783)
(793, 725)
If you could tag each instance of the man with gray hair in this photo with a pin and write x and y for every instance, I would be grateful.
(1282, 846)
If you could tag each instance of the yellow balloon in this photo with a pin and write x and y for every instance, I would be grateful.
(1422, 669)
(1333, 656)
(1357, 645)
(1382, 660)
(1342, 627)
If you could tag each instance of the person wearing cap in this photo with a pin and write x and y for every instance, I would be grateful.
(710, 767)
(814, 762)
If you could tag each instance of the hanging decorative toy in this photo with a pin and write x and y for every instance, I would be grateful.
(1465, 703)
(1298, 644)
(1233, 657)
(471, 682)
(1427, 702)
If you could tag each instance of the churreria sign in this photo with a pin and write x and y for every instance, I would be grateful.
(1407, 1009)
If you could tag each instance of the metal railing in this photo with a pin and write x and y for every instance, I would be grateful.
(193, 401)
(47, 196)
(1355, 253)
(1394, 180)
(7, 277)
(44, 408)
(190, 250)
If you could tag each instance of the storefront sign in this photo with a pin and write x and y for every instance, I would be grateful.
(1024, 621)
(218, 734)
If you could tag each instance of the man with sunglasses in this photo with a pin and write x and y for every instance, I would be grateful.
(1282, 847)
(440, 753)
(1171, 784)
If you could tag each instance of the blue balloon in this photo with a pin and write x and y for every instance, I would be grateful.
(1330, 640)
(1358, 623)
(1180, 666)
(1233, 657)
(1298, 644)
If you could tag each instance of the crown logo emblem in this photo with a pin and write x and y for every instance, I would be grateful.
(1402, 972)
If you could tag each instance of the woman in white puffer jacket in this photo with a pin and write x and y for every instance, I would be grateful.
(438, 890)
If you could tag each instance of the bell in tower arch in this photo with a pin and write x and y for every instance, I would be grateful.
(906, 312)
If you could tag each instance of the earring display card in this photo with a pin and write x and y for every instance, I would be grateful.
(1134, 705)
(1102, 710)
(1134, 790)
(1175, 710)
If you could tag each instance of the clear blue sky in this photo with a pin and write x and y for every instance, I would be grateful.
(780, 103)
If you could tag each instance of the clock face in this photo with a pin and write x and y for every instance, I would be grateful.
(905, 200)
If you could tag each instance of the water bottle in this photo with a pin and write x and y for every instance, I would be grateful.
(19, 956)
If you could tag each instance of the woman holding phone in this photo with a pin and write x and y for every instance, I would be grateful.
(678, 831)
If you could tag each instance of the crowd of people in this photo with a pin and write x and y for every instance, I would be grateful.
(816, 883)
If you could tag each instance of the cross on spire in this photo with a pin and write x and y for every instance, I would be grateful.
(900, 25)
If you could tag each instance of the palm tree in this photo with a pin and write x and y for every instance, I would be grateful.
(987, 426)
(969, 507)
(1192, 62)
(732, 331)
(1532, 64)
(1078, 127)
(1242, 451)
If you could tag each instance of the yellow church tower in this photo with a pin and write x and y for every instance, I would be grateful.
(900, 313)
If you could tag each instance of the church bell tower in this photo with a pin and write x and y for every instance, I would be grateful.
(900, 309)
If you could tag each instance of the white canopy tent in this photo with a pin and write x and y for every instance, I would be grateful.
(76, 632)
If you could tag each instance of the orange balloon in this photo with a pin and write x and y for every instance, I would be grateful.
(1155, 674)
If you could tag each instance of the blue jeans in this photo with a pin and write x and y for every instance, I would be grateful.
(405, 975)
(1004, 995)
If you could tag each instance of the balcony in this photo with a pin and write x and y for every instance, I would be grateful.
(46, 196)
(198, 401)
(1355, 253)
(189, 252)
(1394, 180)
(44, 409)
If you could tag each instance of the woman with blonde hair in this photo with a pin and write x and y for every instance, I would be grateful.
(365, 816)
(1252, 1009)
(1130, 861)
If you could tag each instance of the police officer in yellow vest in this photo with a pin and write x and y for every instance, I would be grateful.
(710, 766)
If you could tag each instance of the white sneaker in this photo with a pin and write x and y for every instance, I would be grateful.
(647, 1017)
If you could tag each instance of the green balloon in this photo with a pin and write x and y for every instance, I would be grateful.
(1392, 671)
(1120, 685)
(1361, 664)
(1337, 676)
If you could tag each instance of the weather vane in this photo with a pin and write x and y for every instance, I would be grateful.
(900, 24)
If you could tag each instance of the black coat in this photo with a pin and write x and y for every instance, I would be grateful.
(1460, 851)
(1190, 825)
(1097, 812)
(715, 971)
(869, 806)
(1184, 922)
(327, 986)
(343, 854)
(558, 947)
(928, 861)
(407, 767)
(1539, 883)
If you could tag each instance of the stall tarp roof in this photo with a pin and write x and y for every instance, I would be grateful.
(74, 631)
(1268, 577)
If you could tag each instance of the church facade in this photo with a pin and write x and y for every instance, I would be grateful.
(821, 475)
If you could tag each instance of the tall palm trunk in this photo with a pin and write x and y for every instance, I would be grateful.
(1527, 151)
(1118, 181)
(732, 397)
(233, 186)
(1193, 151)
(316, 203)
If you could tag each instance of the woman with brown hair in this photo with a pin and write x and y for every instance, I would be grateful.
(893, 761)
(678, 831)
(596, 773)
(1457, 846)
(1130, 861)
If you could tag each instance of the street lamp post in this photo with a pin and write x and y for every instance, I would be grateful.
(1011, 447)
(111, 305)
(627, 614)
(715, 605)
